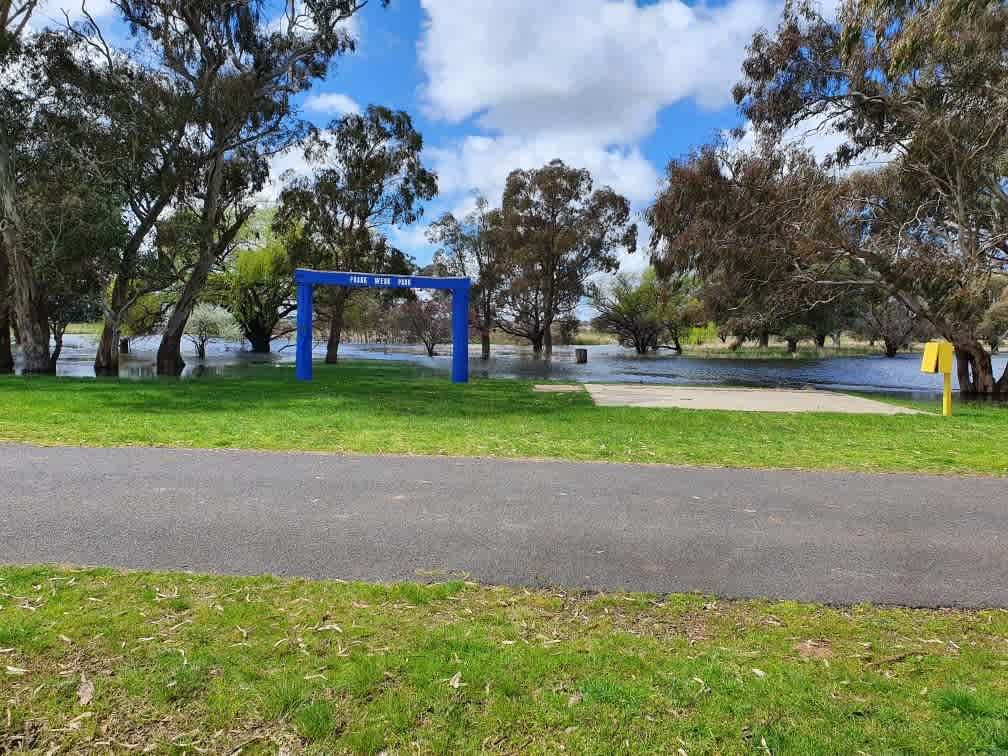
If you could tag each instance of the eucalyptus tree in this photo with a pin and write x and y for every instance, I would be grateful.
(924, 81)
(6, 354)
(748, 225)
(474, 247)
(257, 288)
(14, 17)
(559, 231)
(151, 151)
(39, 123)
(368, 178)
(240, 68)
(645, 312)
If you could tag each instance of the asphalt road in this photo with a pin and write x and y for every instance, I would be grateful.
(833, 537)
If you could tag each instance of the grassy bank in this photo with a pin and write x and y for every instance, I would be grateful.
(780, 352)
(370, 407)
(99, 661)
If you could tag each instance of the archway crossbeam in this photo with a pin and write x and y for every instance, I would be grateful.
(306, 280)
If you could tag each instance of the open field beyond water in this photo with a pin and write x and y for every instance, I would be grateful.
(99, 661)
(369, 407)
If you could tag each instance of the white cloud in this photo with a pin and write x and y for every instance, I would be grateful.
(302, 23)
(817, 135)
(601, 69)
(284, 166)
(51, 12)
(483, 163)
(332, 103)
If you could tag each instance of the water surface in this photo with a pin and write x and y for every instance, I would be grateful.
(608, 363)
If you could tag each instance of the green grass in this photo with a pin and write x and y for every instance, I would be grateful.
(805, 351)
(370, 407)
(85, 329)
(99, 661)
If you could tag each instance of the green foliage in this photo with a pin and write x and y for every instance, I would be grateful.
(144, 316)
(258, 289)
(208, 322)
(559, 230)
(645, 313)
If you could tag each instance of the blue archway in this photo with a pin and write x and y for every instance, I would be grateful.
(307, 279)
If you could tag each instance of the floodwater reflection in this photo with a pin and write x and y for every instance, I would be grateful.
(606, 363)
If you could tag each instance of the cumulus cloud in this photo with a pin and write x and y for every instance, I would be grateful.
(331, 103)
(484, 162)
(601, 69)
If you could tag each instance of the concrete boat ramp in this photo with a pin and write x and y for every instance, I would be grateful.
(734, 399)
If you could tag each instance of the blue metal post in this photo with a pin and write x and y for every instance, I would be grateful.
(303, 370)
(460, 333)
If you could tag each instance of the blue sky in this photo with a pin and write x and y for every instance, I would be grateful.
(615, 86)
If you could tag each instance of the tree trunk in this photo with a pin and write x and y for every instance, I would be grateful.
(764, 340)
(57, 346)
(340, 299)
(6, 355)
(820, 340)
(974, 368)
(792, 346)
(260, 337)
(29, 303)
(537, 343)
(891, 348)
(484, 343)
(169, 355)
(548, 339)
(107, 358)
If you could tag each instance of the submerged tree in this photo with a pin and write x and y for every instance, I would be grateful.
(646, 313)
(559, 231)
(206, 323)
(369, 178)
(748, 225)
(258, 290)
(887, 319)
(924, 80)
(240, 69)
(474, 247)
(427, 321)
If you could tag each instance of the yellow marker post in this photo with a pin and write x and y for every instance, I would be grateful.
(938, 358)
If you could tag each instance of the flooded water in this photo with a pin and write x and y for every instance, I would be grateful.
(610, 364)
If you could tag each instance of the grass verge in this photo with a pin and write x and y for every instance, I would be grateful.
(369, 407)
(101, 661)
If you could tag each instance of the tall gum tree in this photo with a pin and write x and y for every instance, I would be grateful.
(23, 81)
(474, 247)
(152, 151)
(242, 67)
(43, 141)
(14, 17)
(369, 178)
(559, 232)
(926, 81)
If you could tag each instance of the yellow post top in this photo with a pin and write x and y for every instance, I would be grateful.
(938, 357)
